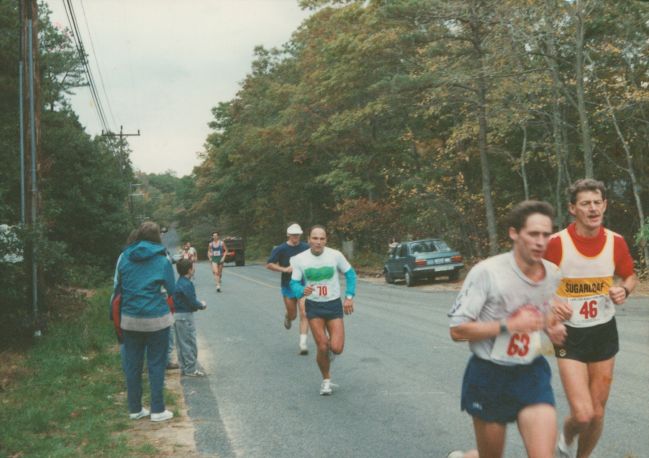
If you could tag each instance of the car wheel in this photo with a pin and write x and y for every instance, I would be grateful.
(455, 275)
(409, 280)
(388, 276)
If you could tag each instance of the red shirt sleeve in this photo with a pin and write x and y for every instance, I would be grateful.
(622, 257)
(554, 252)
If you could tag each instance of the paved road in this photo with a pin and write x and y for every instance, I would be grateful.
(399, 378)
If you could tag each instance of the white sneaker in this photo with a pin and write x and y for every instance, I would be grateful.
(141, 414)
(455, 454)
(325, 387)
(563, 449)
(162, 416)
(304, 350)
(196, 373)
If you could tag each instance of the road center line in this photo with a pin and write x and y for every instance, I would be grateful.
(252, 280)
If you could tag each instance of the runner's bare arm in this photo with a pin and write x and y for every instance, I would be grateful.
(474, 331)
(524, 320)
(561, 308)
(275, 267)
(348, 306)
(619, 293)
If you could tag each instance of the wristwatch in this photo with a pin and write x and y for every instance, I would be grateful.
(503, 325)
(349, 296)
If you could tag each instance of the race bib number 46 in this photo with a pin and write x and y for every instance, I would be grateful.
(587, 311)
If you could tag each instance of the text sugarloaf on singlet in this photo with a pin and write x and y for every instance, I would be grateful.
(580, 288)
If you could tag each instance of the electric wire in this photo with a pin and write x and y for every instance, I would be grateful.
(78, 41)
(98, 67)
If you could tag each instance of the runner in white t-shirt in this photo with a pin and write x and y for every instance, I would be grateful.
(504, 304)
(319, 267)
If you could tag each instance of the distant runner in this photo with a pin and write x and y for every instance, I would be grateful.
(504, 304)
(319, 267)
(216, 251)
(279, 261)
(589, 256)
(189, 252)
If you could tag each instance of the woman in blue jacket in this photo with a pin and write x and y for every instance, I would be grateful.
(144, 279)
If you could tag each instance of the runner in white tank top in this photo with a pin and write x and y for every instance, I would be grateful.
(589, 256)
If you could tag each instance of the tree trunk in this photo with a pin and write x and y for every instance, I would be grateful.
(482, 136)
(526, 189)
(559, 145)
(631, 171)
(586, 141)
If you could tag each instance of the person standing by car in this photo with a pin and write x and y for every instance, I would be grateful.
(145, 318)
(216, 251)
(505, 302)
(319, 267)
(279, 261)
(589, 256)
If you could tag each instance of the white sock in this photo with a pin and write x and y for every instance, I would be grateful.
(302, 339)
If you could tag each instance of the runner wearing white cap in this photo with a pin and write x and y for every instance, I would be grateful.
(279, 261)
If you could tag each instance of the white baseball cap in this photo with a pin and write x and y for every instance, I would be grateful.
(294, 229)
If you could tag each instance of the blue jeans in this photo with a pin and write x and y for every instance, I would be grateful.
(170, 350)
(186, 342)
(155, 345)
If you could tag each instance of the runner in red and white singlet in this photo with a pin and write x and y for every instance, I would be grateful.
(590, 257)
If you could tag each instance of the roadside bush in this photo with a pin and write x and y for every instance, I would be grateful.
(16, 305)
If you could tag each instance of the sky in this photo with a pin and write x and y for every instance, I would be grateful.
(166, 63)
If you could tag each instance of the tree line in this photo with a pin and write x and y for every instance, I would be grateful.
(83, 182)
(377, 118)
(432, 118)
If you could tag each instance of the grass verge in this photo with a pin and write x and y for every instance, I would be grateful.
(68, 399)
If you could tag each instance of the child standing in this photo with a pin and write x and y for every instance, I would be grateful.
(186, 304)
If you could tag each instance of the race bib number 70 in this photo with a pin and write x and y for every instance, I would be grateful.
(320, 290)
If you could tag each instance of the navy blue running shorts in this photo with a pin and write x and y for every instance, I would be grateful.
(329, 310)
(496, 393)
(590, 345)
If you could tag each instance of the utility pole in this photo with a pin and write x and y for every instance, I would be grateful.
(121, 136)
(131, 194)
(30, 140)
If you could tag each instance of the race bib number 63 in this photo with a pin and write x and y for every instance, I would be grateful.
(517, 347)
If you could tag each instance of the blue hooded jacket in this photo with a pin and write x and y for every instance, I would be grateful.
(143, 270)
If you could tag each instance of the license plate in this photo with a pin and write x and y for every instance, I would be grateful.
(443, 268)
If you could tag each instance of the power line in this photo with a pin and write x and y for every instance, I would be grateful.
(94, 55)
(72, 20)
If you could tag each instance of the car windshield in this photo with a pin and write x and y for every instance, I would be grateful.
(428, 246)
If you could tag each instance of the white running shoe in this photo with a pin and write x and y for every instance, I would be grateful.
(455, 454)
(563, 449)
(141, 414)
(325, 387)
(162, 416)
(196, 373)
(287, 322)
